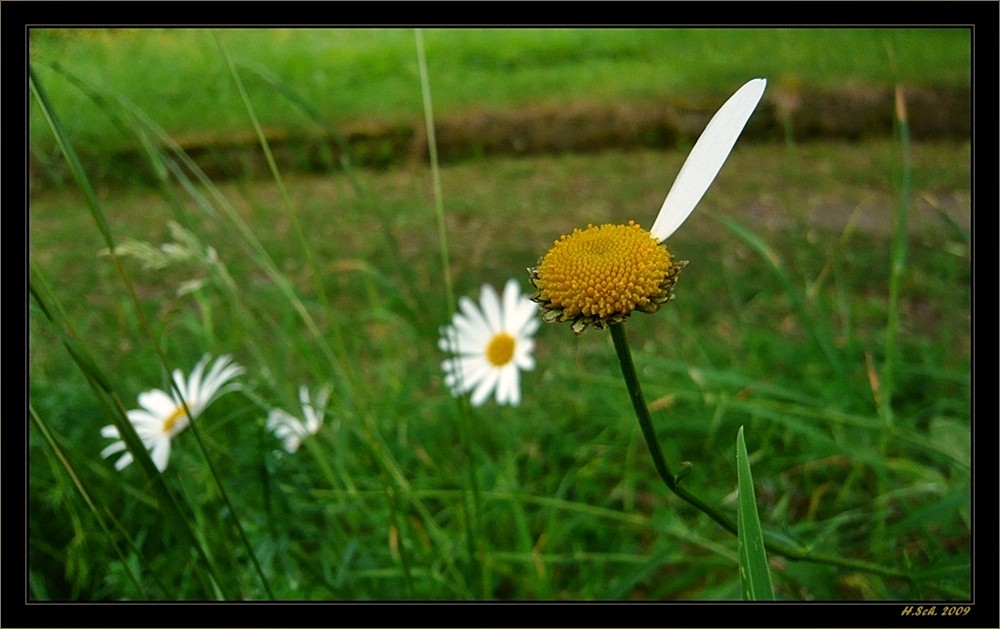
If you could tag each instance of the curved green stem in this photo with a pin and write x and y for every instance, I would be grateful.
(673, 481)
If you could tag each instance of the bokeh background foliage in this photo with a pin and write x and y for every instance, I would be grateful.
(826, 310)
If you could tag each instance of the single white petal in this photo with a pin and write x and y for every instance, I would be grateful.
(115, 447)
(181, 385)
(161, 453)
(157, 403)
(111, 432)
(511, 299)
(508, 386)
(124, 461)
(322, 398)
(706, 158)
(521, 316)
(502, 386)
(193, 395)
(491, 308)
(291, 443)
(522, 355)
(446, 343)
(484, 388)
(515, 386)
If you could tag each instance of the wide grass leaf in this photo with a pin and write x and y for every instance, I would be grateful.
(755, 579)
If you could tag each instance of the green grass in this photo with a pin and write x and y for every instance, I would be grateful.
(780, 326)
(179, 79)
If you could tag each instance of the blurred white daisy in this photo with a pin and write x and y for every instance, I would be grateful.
(291, 429)
(599, 275)
(489, 346)
(162, 416)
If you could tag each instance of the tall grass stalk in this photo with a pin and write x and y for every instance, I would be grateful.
(476, 538)
(290, 211)
(884, 382)
(897, 268)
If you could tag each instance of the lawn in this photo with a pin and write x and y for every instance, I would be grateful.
(825, 309)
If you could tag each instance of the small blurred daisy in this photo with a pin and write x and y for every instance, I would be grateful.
(490, 346)
(291, 429)
(162, 416)
(597, 276)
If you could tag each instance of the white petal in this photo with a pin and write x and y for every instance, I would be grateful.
(508, 387)
(485, 387)
(111, 432)
(161, 453)
(473, 314)
(182, 386)
(291, 443)
(520, 316)
(522, 355)
(222, 371)
(117, 446)
(445, 343)
(123, 462)
(472, 337)
(313, 413)
(491, 308)
(194, 394)
(467, 373)
(473, 342)
(530, 325)
(280, 421)
(706, 158)
(157, 402)
(511, 300)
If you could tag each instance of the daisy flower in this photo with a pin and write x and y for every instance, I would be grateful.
(489, 346)
(291, 429)
(163, 416)
(597, 276)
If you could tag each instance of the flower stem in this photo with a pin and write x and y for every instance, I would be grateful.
(789, 550)
(672, 480)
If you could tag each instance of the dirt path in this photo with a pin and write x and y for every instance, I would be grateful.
(582, 127)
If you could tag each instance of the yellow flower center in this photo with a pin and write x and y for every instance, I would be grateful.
(171, 419)
(500, 350)
(603, 271)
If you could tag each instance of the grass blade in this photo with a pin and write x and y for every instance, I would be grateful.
(755, 579)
